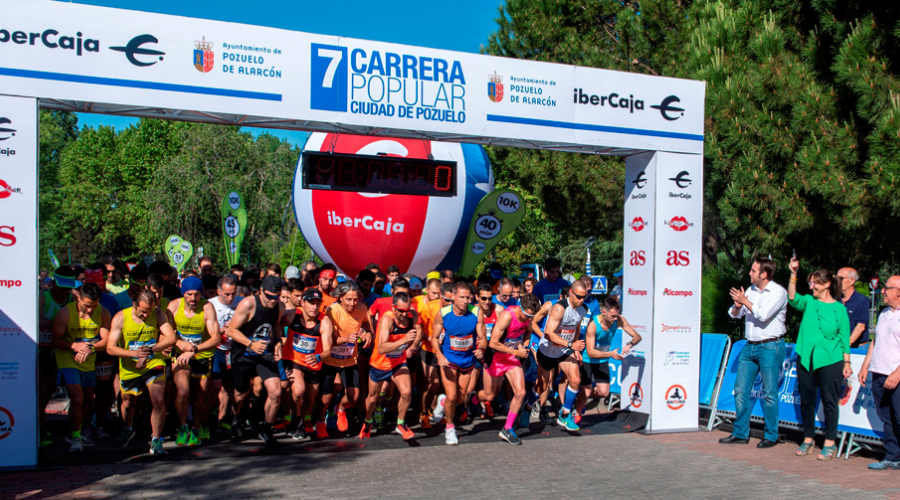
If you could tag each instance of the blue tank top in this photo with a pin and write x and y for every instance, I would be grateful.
(460, 337)
(602, 340)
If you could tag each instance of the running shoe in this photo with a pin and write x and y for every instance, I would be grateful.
(509, 436)
(204, 432)
(85, 440)
(237, 429)
(125, 437)
(281, 425)
(300, 434)
(486, 410)
(566, 421)
(366, 431)
(265, 433)
(404, 431)
(450, 436)
(46, 440)
(425, 420)
(321, 430)
(331, 420)
(576, 417)
(545, 417)
(536, 411)
(182, 437)
(885, 465)
(98, 434)
(156, 447)
(194, 438)
(342, 424)
(76, 445)
(379, 418)
(308, 426)
(224, 426)
(439, 409)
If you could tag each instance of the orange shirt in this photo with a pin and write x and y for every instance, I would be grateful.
(426, 317)
(344, 325)
(390, 360)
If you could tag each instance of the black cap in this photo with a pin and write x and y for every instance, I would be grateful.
(312, 294)
(272, 284)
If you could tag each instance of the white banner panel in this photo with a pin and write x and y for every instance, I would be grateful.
(18, 281)
(676, 295)
(637, 279)
(259, 76)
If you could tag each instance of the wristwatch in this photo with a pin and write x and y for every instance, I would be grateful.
(569, 345)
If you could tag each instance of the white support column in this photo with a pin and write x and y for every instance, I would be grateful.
(663, 238)
(18, 281)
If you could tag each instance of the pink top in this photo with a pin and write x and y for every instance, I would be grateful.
(886, 357)
(516, 328)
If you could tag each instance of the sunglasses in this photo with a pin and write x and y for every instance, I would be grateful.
(404, 311)
(484, 298)
(271, 296)
(579, 297)
(448, 299)
(527, 315)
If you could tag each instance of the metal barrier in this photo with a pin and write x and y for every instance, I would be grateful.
(718, 346)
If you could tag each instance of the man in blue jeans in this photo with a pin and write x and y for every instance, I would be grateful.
(763, 308)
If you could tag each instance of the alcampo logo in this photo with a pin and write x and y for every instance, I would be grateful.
(134, 48)
(7, 423)
(665, 107)
(495, 87)
(204, 57)
(676, 397)
(677, 293)
(6, 132)
(366, 222)
(6, 190)
(640, 293)
(636, 395)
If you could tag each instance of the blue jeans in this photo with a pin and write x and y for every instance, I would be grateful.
(887, 404)
(767, 361)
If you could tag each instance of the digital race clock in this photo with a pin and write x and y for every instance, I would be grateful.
(378, 174)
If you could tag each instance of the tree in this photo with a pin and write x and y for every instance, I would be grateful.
(57, 130)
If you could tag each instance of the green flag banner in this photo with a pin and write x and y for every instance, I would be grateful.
(234, 225)
(53, 258)
(498, 214)
(179, 251)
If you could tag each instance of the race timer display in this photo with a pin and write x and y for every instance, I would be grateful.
(378, 174)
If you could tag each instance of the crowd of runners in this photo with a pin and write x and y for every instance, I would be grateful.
(311, 354)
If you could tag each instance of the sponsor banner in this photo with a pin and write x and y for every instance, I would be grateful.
(255, 74)
(637, 299)
(18, 281)
(498, 214)
(179, 252)
(234, 225)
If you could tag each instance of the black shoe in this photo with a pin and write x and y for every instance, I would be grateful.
(734, 440)
(765, 443)
(265, 433)
(299, 434)
(237, 431)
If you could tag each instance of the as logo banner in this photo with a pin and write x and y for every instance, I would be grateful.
(497, 215)
(178, 251)
(234, 225)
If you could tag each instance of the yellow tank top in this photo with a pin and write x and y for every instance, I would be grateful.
(79, 330)
(193, 330)
(135, 335)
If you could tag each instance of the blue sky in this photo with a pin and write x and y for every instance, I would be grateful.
(462, 25)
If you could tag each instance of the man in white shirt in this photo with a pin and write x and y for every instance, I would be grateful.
(883, 360)
(763, 308)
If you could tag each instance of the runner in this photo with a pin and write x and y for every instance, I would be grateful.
(197, 327)
(308, 343)
(115, 275)
(379, 307)
(49, 304)
(326, 282)
(437, 296)
(548, 288)
(458, 342)
(505, 293)
(517, 288)
(508, 343)
(255, 351)
(138, 336)
(597, 353)
(220, 387)
(393, 272)
(397, 336)
(489, 311)
(365, 280)
(560, 347)
(348, 317)
(80, 329)
(540, 393)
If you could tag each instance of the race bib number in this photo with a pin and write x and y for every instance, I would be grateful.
(261, 335)
(44, 337)
(343, 351)
(134, 345)
(489, 329)
(567, 335)
(512, 343)
(396, 353)
(462, 343)
(604, 348)
(105, 370)
(305, 344)
(193, 339)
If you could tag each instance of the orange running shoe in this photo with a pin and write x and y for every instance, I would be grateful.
(425, 420)
(486, 410)
(309, 427)
(342, 421)
(321, 430)
(404, 431)
(576, 417)
(366, 431)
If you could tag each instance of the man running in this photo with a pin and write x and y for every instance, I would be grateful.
(80, 329)
(539, 394)
(308, 343)
(438, 296)
(506, 294)
(255, 351)
(507, 342)
(489, 311)
(459, 341)
(138, 336)
(396, 337)
(326, 284)
(597, 353)
(220, 387)
(561, 348)
(197, 327)
(379, 307)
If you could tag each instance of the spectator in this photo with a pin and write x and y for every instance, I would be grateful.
(883, 360)
(857, 306)
(549, 287)
(763, 307)
(823, 354)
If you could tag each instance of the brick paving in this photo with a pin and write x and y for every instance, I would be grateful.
(689, 465)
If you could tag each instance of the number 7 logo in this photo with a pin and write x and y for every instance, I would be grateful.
(328, 78)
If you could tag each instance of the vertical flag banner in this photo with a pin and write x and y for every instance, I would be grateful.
(179, 251)
(498, 214)
(53, 258)
(234, 225)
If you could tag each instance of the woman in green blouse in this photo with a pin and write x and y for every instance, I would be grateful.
(823, 354)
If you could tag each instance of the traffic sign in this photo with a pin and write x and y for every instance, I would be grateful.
(599, 285)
